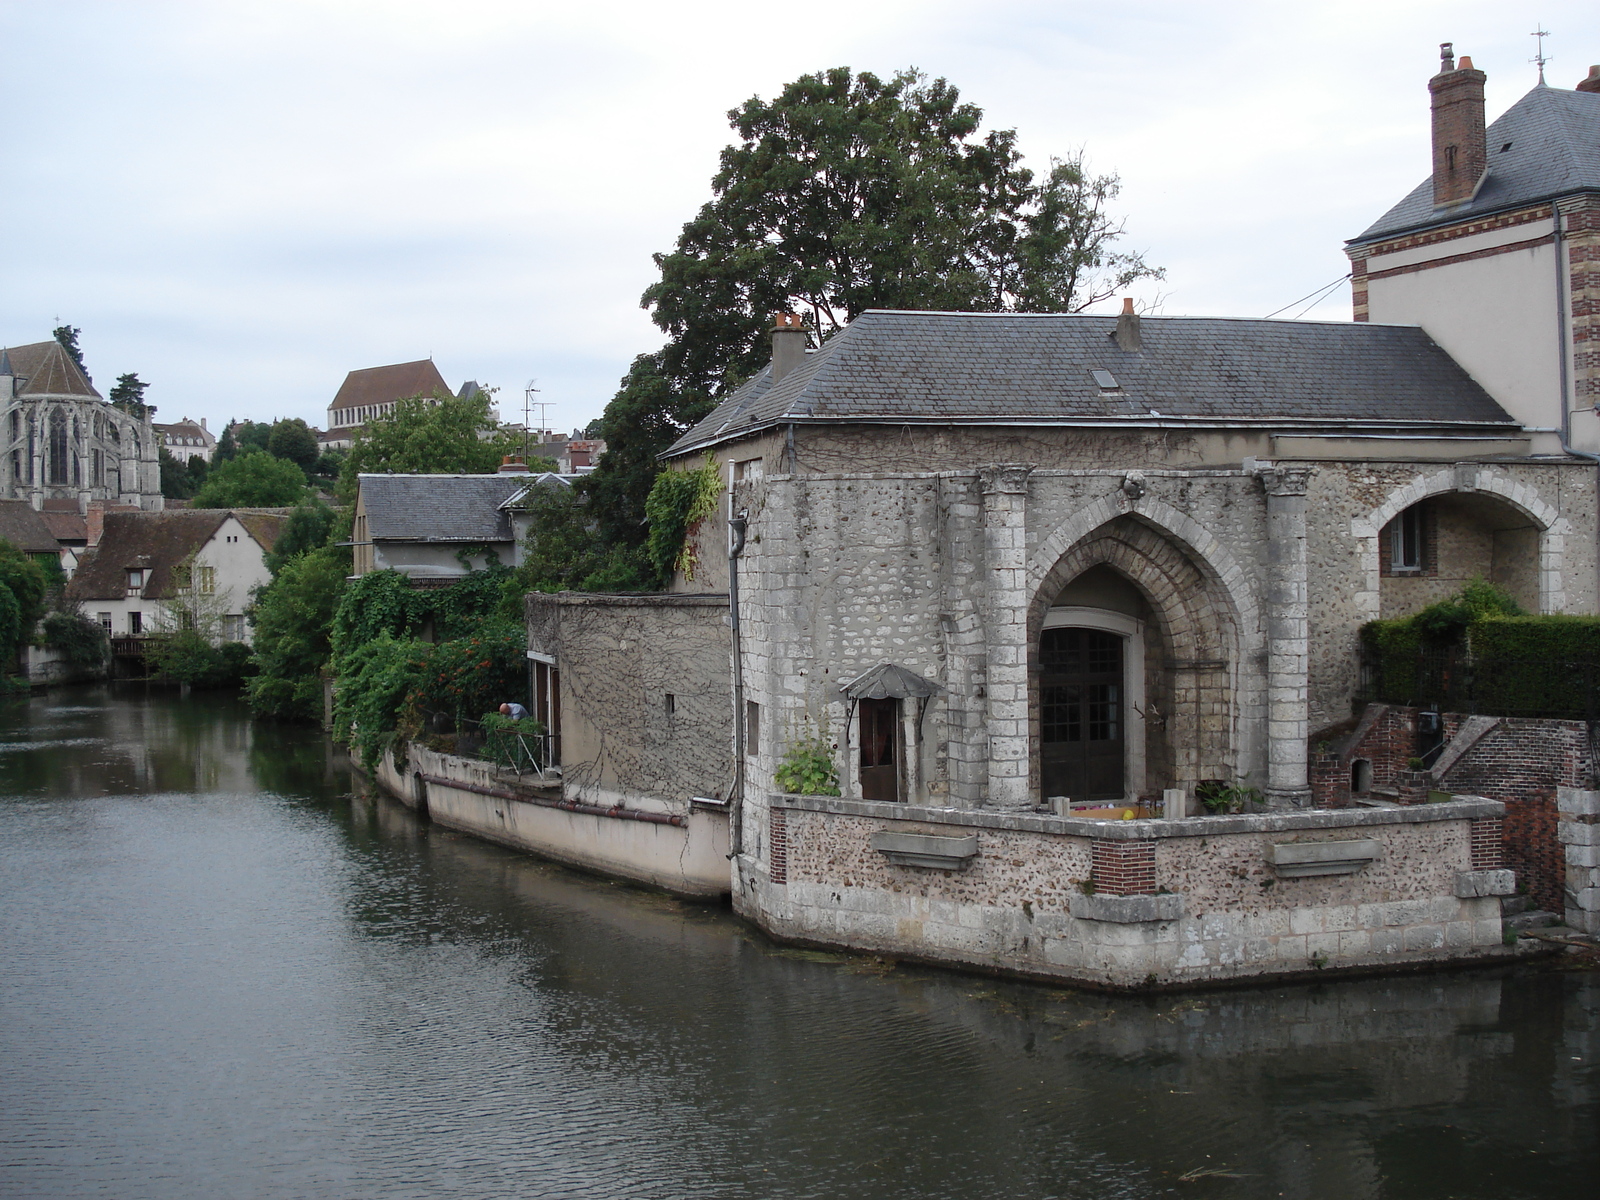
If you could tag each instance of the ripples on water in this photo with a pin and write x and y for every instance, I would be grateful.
(223, 976)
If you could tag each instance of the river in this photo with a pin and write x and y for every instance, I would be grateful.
(225, 972)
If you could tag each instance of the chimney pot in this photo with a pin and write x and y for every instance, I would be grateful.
(1466, 63)
(1447, 56)
(1127, 306)
(788, 344)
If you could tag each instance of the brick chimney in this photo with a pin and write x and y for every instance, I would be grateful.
(1460, 152)
(95, 522)
(788, 344)
(1592, 83)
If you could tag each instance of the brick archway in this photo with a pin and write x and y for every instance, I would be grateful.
(1466, 478)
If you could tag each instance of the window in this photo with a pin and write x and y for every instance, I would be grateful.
(752, 728)
(105, 621)
(233, 628)
(205, 579)
(135, 622)
(547, 704)
(135, 579)
(750, 468)
(672, 704)
(1406, 536)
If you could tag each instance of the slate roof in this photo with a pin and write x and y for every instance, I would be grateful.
(158, 542)
(26, 529)
(381, 385)
(1021, 368)
(438, 508)
(1554, 139)
(49, 371)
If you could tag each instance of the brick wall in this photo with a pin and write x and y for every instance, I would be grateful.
(1533, 850)
(1124, 868)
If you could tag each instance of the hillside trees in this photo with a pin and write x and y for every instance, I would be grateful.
(843, 193)
(252, 480)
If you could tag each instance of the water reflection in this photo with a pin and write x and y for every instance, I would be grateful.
(226, 975)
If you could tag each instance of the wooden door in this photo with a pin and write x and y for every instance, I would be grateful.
(1081, 714)
(880, 749)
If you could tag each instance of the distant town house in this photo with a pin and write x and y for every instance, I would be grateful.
(148, 565)
(187, 439)
(373, 392)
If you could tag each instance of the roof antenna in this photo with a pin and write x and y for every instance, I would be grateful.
(1539, 58)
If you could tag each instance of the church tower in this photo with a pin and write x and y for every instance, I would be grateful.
(1497, 253)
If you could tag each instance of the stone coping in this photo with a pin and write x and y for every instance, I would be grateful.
(632, 599)
(1462, 808)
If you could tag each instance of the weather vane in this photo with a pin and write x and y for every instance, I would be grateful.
(1540, 58)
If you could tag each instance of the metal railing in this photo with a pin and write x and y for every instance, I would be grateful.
(508, 749)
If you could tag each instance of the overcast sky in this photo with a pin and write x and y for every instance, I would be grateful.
(242, 201)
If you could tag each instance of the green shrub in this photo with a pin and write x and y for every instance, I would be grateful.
(84, 642)
(187, 657)
(807, 769)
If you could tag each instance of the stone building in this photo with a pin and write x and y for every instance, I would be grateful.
(373, 392)
(187, 439)
(1497, 253)
(64, 442)
(998, 573)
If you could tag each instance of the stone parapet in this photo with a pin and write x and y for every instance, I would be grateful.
(1579, 833)
(1131, 904)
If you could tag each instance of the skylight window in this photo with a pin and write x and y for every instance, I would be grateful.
(1106, 380)
(1504, 148)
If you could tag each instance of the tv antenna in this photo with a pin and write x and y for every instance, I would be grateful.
(1539, 57)
(528, 403)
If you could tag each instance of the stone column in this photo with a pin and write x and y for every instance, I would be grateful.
(1005, 513)
(1288, 637)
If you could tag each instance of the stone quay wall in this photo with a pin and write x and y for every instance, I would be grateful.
(1131, 904)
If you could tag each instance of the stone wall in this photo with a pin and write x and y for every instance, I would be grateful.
(1579, 833)
(646, 698)
(1028, 897)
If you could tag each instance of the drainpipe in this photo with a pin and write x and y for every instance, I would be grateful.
(736, 528)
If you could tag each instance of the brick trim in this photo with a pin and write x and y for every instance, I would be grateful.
(778, 845)
(1488, 843)
(1123, 868)
(1470, 256)
(1450, 233)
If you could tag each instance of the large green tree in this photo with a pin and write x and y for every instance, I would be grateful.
(291, 438)
(128, 395)
(253, 480)
(428, 435)
(848, 192)
(293, 617)
(23, 586)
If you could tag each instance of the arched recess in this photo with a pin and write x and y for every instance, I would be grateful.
(1201, 692)
(1466, 479)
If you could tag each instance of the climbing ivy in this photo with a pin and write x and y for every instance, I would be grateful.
(678, 502)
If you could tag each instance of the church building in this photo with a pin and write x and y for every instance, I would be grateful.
(66, 445)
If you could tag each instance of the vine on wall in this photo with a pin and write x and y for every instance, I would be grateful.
(678, 502)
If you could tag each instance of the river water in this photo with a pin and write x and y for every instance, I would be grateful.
(222, 974)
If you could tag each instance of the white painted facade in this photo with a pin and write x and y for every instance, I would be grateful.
(1498, 316)
(227, 568)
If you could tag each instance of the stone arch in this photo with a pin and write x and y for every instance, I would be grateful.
(1467, 478)
(1199, 685)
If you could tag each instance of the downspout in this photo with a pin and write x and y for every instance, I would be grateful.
(736, 528)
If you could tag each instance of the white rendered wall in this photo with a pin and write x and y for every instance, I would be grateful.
(1496, 316)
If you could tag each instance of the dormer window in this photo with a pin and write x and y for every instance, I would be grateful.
(135, 578)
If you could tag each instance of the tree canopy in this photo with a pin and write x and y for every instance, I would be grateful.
(428, 435)
(128, 395)
(252, 480)
(846, 192)
(23, 585)
(291, 438)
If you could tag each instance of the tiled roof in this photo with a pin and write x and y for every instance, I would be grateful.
(66, 526)
(438, 508)
(26, 529)
(49, 370)
(979, 368)
(158, 542)
(381, 385)
(1553, 140)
